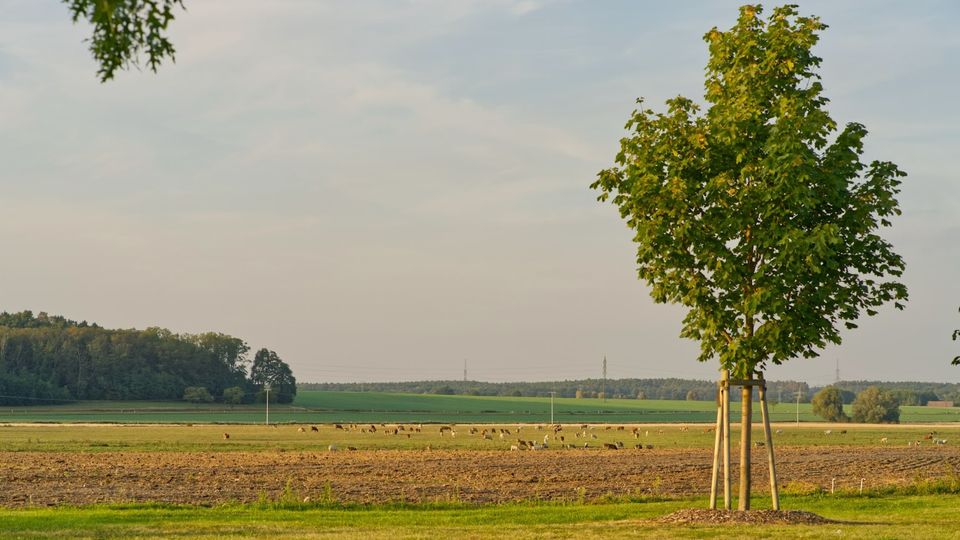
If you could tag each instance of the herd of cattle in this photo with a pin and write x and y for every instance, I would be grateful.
(556, 436)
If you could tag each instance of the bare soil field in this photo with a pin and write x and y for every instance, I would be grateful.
(365, 476)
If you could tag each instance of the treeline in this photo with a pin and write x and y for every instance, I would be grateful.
(906, 393)
(688, 389)
(51, 359)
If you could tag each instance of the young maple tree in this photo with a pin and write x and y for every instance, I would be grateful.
(758, 215)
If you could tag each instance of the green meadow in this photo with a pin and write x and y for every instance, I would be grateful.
(330, 407)
(895, 516)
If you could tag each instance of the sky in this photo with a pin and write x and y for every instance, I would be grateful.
(386, 190)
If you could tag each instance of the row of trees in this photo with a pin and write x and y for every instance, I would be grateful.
(47, 359)
(689, 389)
(873, 406)
(907, 393)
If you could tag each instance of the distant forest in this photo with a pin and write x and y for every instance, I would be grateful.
(908, 393)
(51, 359)
(685, 389)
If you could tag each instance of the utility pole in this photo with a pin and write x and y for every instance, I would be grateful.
(267, 388)
(603, 385)
(836, 375)
(551, 406)
(798, 406)
(464, 370)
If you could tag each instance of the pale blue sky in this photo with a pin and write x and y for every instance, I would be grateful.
(380, 190)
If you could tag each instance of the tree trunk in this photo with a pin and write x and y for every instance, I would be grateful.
(743, 502)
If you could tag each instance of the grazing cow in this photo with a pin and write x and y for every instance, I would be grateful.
(373, 428)
(488, 436)
(514, 448)
(620, 428)
(843, 432)
(649, 447)
(226, 435)
(332, 448)
(883, 440)
(352, 448)
(610, 446)
(827, 432)
(301, 430)
(546, 438)
(928, 437)
(779, 431)
(315, 428)
(619, 444)
(759, 444)
(939, 441)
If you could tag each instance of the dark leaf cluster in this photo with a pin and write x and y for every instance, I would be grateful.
(125, 30)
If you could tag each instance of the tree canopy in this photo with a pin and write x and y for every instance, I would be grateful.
(758, 215)
(46, 358)
(268, 368)
(828, 404)
(123, 30)
(876, 406)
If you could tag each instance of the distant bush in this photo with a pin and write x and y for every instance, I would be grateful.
(875, 406)
(197, 394)
(828, 404)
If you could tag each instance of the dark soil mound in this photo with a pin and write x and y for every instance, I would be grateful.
(780, 517)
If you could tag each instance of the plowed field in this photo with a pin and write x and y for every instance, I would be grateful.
(49, 478)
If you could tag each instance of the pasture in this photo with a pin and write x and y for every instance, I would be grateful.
(162, 480)
(329, 407)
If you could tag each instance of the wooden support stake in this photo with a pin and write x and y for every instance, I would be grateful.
(715, 474)
(725, 402)
(768, 441)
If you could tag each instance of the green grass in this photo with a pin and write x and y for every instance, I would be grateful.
(328, 407)
(926, 516)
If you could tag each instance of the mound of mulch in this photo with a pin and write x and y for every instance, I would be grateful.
(758, 517)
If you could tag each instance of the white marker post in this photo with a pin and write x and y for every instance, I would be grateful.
(267, 388)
